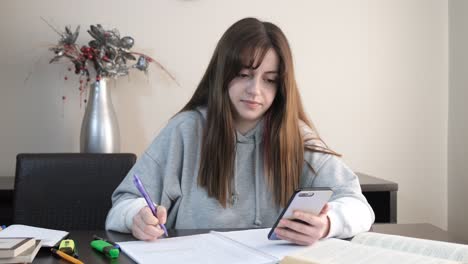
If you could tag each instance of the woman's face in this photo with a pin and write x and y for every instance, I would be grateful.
(252, 92)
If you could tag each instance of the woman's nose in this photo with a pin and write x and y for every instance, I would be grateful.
(254, 86)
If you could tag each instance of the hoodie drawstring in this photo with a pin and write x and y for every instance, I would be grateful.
(235, 193)
(258, 172)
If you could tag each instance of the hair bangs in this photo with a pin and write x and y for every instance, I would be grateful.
(253, 53)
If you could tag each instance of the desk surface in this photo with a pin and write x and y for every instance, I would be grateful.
(87, 255)
(373, 184)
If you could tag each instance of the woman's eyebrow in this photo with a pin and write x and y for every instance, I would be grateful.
(252, 69)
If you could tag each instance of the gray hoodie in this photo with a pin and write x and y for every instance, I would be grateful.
(169, 171)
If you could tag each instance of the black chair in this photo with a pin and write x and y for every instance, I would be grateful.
(67, 191)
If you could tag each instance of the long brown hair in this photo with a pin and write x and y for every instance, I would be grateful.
(246, 42)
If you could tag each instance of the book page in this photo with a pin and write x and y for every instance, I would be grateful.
(12, 246)
(49, 237)
(338, 251)
(438, 249)
(25, 257)
(205, 248)
(10, 243)
(257, 239)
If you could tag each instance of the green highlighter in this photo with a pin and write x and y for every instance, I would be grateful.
(106, 248)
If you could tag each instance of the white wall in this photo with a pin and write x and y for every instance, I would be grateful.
(458, 120)
(373, 75)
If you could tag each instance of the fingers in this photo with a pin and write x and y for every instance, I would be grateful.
(161, 214)
(148, 217)
(304, 233)
(295, 237)
(325, 209)
(297, 227)
(145, 234)
(298, 233)
(146, 226)
(312, 228)
(311, 219)
(320, 223)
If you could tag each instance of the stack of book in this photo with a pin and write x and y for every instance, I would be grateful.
(18, 249)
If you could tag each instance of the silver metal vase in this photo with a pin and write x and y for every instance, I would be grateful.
(100, 128)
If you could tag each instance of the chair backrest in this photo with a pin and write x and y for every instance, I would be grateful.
(68, 191)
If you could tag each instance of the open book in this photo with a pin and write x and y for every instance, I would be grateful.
(378, 248)
(252, 246)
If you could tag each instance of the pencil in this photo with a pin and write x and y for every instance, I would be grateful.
(65, 256)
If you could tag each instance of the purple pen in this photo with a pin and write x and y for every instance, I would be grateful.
(150, 203)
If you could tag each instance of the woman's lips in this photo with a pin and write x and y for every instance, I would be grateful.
(251, 104)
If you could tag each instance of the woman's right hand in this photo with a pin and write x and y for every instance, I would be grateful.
(146, 226)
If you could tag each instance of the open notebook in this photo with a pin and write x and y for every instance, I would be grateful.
(252, 246)
(249, 246)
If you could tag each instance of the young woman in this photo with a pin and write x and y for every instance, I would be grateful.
(232, 157)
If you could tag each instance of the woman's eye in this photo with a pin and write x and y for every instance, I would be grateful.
(271, 80)
(243, 75)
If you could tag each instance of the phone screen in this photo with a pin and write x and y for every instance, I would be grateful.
(310, 200)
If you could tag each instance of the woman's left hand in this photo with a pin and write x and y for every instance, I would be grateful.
(316, 228)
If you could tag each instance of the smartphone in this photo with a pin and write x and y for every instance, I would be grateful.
(311, 200)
